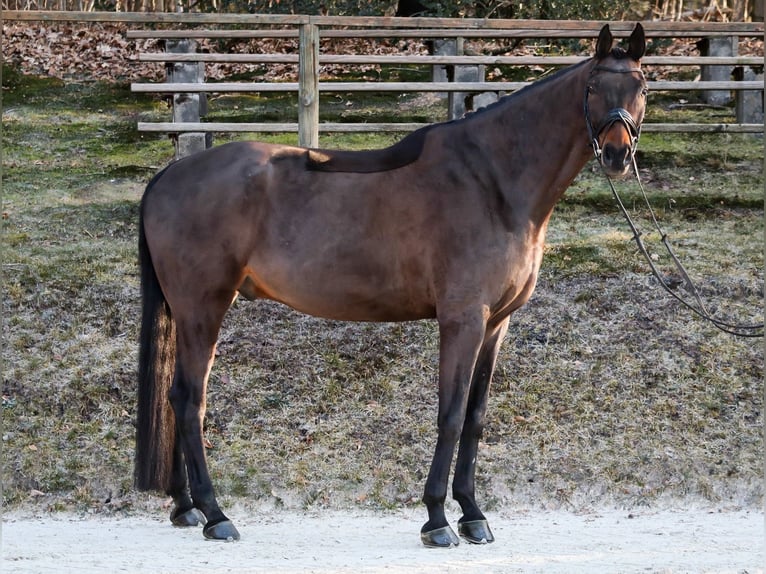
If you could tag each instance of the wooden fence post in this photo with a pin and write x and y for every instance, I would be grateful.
(443, 72)
(187, 107)
(461, 102)
(749, 103)
(308, 86)
(717, 46)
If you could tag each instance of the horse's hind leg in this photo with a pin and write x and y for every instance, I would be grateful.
(473, 525)
(184, 513)
(197, 332)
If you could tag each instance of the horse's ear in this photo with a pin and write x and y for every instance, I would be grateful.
(637, 43)
(604, 44)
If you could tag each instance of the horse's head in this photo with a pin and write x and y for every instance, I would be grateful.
(615, 100)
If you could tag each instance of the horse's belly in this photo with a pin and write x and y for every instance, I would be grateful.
(357, 306)
(351, 308)
(342, 292)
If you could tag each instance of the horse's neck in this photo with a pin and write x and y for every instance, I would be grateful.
(544, 131)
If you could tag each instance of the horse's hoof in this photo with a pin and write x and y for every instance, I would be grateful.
(223, 530)
(191, 517)
(443, 537)
(475, 531)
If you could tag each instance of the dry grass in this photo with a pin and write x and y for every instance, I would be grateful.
(607, 392)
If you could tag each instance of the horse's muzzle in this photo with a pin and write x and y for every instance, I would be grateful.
(616, 158)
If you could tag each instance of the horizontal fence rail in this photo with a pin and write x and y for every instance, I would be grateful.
(418, 27)
(332, 127)
(403, 87)
(326, 59)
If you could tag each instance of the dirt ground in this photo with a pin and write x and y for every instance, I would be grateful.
(604, 541)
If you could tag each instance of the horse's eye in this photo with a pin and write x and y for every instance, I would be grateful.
(645, 92)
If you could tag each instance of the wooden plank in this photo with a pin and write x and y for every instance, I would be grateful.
(397, 59)
(170, 127)
(730, 28)
(215, 87)
(328, 87)
(220, 58)
(706, 85)
(190, 18)
(411, 86)
(333, 127)
(702, 61)
(431, 33)
(531, 33)
(571, 27)
(704, 128)
(213, 34)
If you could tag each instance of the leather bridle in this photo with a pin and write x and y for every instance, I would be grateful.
(613, 116)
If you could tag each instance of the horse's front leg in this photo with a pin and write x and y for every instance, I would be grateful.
(473, 526)
(461, 337)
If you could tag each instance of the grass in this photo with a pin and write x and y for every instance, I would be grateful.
(607, 392)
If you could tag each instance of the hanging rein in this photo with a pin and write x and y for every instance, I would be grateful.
(697, 306)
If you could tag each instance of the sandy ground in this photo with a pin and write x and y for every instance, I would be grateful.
(666, 541)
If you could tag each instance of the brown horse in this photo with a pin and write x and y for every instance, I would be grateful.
(448, 224)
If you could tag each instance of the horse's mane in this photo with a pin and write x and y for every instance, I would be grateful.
(403, 152)
(618, 53)
(408, 150)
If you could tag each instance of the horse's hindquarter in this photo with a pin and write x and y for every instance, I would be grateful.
(197, 217)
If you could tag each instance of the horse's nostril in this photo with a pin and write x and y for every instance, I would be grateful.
(616, 156)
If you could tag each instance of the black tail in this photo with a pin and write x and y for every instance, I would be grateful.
(155, 433)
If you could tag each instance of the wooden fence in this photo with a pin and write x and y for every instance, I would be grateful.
(311, 30)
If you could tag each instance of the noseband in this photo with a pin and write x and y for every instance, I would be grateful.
(612, 117)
